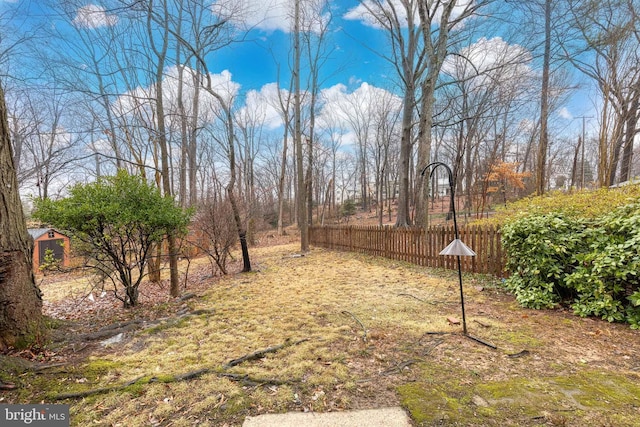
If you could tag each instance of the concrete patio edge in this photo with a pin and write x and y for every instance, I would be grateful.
(381, 417)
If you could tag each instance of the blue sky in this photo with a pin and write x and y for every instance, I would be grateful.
(253, 63)
(352, 57)
(355, 75)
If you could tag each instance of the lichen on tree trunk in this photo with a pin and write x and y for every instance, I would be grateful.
(20, 301)
(20, 298)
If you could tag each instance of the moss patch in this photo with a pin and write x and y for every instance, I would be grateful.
(600, 390)
(611, 399)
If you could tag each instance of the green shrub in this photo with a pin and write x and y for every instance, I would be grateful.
(591, 264)
(540, 251)
(606, 278)
(50, 262)
(115, 222)
(348, 208)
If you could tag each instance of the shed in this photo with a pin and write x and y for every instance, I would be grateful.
(49, 239)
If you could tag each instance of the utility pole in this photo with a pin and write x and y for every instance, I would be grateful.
(582, 150)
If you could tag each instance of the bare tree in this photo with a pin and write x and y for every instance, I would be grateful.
(440, 22)
(609, 30)
(49, 149)
(334, 130)
(208, 37)
(387, 117)
(159, 31)
(484, 86)
(286, 116)
(399, 20)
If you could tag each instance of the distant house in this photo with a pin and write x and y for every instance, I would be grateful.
(48, 238)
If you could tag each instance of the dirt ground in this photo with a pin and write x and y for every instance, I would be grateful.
(324, 331)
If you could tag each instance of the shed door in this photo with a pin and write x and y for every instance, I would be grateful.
(53, 245)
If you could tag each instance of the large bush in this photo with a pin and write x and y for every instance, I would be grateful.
(606, 276)
(592, 264)
(115, 222)
(540, 253)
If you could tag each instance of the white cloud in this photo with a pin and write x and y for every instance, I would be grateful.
(101, 145)
(340, 108)
(139, 101)
(354, 81)
(365, 98)
(261, 107)
(271, 15)
(527, 125)
(565, 113)
(491, 64)
(367, 10)
(93, 16)
(488, 56)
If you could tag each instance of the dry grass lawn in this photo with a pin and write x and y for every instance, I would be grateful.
(355, 332)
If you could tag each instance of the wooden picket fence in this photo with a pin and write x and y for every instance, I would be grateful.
(417, 245)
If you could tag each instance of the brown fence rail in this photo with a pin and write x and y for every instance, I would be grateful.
(417, 245)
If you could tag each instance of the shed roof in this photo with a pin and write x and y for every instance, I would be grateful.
(39, 232)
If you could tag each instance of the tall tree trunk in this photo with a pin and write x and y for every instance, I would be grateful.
(242, 233)
(402, 218)
(230, 189)
(281, 179)
(544, 103)
(603, 146)
(436, 54)
(20, 298)
(629, 136)
(192, 163)
(161, 54)
(301, 193)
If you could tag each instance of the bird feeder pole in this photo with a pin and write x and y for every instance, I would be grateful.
(456, 247)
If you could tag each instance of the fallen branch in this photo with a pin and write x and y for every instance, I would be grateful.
(419, 299)
(187, 296)
(364, 330)
(393, 370)
(95, 391)
(110, 331)
(399, 367)
(191, 375)
(519, 354)
(40, 368)
(412, 296)
(251, 381)
(122, 327)
(436, 343)
(261, 353)
(7, 386)
(201, 312)
(242, 378)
